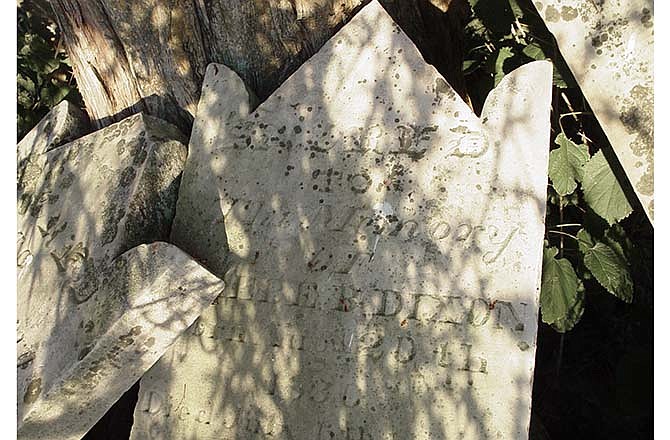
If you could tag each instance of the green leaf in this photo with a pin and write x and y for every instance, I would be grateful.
(616, 238)
(608, 266)
(573, 316)
(470, 66)
(503, 54)
(534, 51)
(602, 191)
(560, 301)
(586, 242)
(565, 164)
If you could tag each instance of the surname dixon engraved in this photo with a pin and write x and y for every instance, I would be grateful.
(385, 246)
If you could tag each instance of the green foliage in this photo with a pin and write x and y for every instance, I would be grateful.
(608, 266)
(561, 298)
(565, 165)
(502, 36)
(602, 190)
(584, 195)
(44, 76)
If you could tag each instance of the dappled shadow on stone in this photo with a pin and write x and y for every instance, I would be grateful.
(381, 248)
(95, 307)
(609, 48)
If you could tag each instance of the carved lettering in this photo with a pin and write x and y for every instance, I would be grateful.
(360, 183)
(459, 357)
(507, 317)
(492, 256)
(406, 349)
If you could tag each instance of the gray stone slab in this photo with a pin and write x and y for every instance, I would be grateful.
(609, 46)
(148, 297)
(89, 322)
(63, 123)
(381, 247)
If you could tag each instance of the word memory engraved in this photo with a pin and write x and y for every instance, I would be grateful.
(380, 246)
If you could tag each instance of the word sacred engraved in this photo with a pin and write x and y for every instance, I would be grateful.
(407, 139)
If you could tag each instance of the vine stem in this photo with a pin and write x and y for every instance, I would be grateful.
(567, 224)
(565, 234)
(562, 234)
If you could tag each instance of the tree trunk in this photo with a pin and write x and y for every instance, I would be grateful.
(150, 55)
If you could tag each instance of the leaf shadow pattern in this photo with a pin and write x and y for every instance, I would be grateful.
(95, 308)
(123, 52)
(381, 248)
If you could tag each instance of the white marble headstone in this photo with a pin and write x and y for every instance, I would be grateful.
(381, 248)
(64, 123)
(609, 46)
(95, 311)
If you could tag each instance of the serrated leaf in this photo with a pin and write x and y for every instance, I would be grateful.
(616, 238)
(610, 269)
(586, 242)
(602, 191)
(565, 164)
(559, 299)
(573, 316)
(534, 51)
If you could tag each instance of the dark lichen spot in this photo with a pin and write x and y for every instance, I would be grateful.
(297, 129)
(551, 15)
(111, 217)
(127, 176)
(637, 116)
(442, 88)
(596, 41)
(568, 13)
(66, 181)
(140, 155)
(25, 359)
(33, 391)
(646, 18)
(84, 351)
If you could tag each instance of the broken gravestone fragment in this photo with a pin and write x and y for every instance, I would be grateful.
(381, 247)
(609, 46)
(95, 311)
(64, 123)
(147, 298)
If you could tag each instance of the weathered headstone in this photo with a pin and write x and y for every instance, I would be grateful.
(64, 123)
(95, 311)
(609, 46)
(383, 253)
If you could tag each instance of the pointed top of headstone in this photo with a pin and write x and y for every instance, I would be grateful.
(381, 247)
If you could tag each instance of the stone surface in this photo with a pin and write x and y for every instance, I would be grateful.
(85, 318)
(63, 123)
(609, 46)
(147, 298)
(381, 247)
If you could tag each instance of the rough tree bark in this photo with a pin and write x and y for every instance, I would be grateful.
(150, 55)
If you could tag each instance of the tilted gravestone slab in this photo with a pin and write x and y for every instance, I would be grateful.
(385, 245)
(149, 296)
(609, 46)
(64, 123)
(94, 311)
